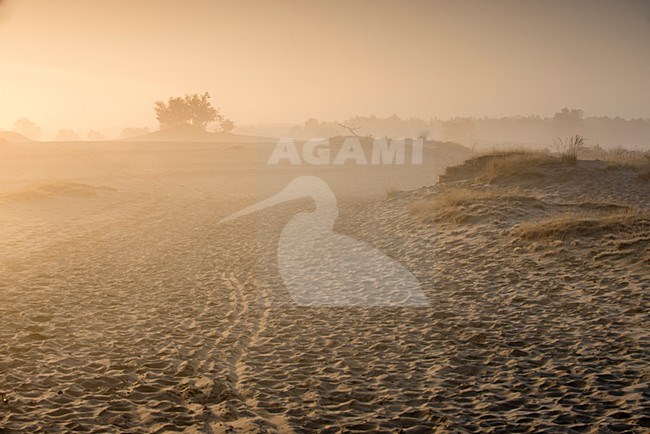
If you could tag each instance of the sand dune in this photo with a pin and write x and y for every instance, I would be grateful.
(136, 312)
(13, 137)
(188, 134)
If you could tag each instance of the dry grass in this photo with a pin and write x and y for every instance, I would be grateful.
(460, 205)
(644, 171)
(642, 166)
(571, 148)
(501, 164)
(509, 150)
(573, 224)
(392, 192)
(601, 206)
(524, 164)
(624, 159)
(619, 165)
(462, 196)
(528, 164)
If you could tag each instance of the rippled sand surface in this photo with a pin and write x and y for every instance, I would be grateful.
(127, 308)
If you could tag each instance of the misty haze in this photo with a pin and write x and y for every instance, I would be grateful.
(297, 217)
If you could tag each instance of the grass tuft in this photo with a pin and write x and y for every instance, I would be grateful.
(571, 148)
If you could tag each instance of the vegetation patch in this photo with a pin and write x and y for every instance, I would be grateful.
(570, 149)
(572, 224)
(518, 164)
(464, 205)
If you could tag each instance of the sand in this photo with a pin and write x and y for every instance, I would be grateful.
(129, 309)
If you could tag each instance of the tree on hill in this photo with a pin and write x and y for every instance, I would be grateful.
(174, 113)
(195, 110)
(227, 126)
(28, 129)
(201, 110)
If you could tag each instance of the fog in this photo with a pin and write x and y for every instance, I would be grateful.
(289, 216)
(100, 65)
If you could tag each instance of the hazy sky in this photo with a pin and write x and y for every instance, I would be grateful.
(101, 64)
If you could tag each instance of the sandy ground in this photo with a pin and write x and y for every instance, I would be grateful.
(127, 308)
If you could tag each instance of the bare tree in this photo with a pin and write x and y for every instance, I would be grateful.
(352, 129)
(424, 135)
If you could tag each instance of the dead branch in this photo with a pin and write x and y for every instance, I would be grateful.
(353, 129)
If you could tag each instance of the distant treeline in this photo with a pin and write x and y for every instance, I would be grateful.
(528, 130)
